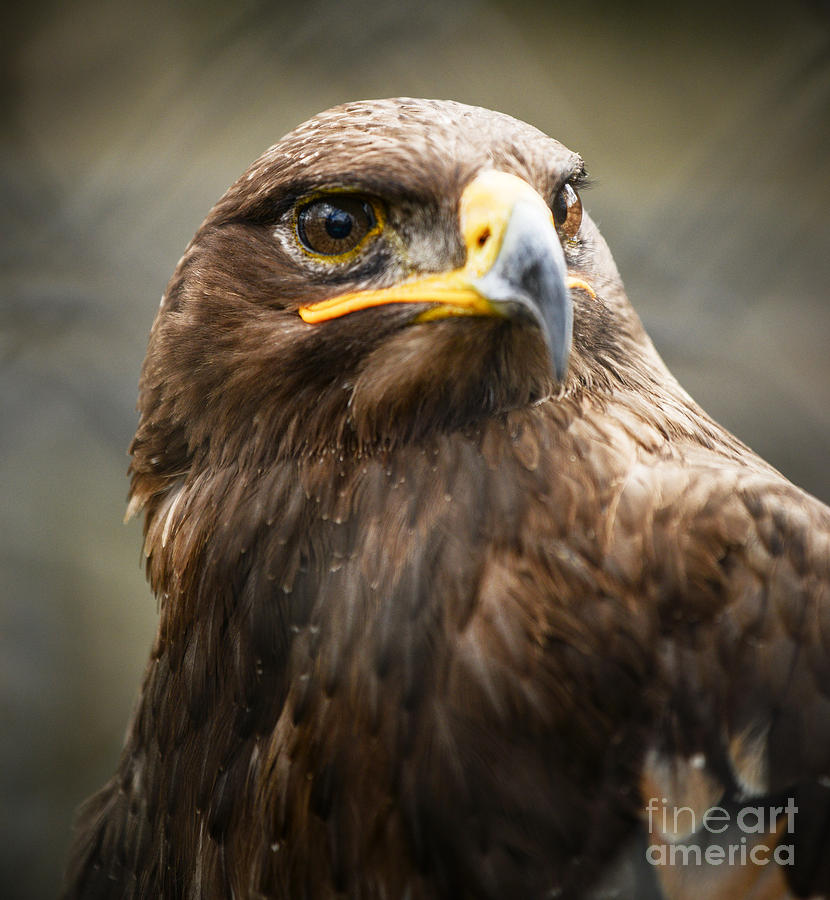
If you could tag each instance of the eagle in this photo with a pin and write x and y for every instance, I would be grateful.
(461, 595)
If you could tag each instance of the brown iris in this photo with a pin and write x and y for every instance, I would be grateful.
(332, 226)
(567, 212)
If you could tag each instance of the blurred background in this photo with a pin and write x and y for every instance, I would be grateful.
(706, 131)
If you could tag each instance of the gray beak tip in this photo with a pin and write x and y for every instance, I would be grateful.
(527, 280)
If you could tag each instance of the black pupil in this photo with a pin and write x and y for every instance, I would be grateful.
(560, 208)
(339, 224)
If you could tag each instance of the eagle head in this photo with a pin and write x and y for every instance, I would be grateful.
(387, 270)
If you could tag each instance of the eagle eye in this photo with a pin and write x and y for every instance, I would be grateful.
(567, 212)
(335, 225)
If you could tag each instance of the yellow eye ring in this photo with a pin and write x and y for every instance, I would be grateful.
(334, 226)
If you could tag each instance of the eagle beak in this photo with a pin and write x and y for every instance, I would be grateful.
(515, 269)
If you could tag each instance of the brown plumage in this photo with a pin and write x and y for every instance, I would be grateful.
(435, 621)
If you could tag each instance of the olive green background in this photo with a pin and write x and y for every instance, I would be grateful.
(706, 130)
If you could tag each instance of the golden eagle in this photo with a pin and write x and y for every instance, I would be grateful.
(457, 585)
